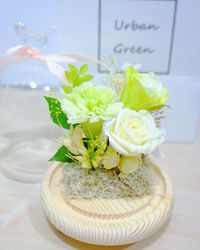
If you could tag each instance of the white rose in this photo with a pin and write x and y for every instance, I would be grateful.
(133, 133)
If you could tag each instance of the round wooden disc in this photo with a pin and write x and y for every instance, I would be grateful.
(104, 221)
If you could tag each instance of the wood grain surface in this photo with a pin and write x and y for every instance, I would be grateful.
(107, 221)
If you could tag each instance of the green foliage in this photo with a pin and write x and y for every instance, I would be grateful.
(61, 155)
(67, 89)
(73, 69)
(77, 77)
(56, 112)
(83, 69)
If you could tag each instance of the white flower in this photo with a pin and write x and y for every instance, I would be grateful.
(125, 66)
(133, 133)
(73, 140)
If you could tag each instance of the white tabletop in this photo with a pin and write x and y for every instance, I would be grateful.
(24, 226)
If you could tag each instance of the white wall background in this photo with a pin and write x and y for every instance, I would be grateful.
(77, 32)
(77, 28)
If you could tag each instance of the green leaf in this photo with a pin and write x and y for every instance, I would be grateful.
(67, 89)
(86, 78)
(61, 155)
(78, 77)
(56, 112)
(73, 69)
(83, 69)
(69, 75)
(77, 82)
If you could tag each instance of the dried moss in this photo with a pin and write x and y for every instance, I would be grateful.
(80, 183)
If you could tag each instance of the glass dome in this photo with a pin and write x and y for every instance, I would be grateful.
(27, 134)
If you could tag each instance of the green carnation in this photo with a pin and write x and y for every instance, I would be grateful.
(90, 103)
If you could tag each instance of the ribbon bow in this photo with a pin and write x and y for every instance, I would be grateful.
(51, 61)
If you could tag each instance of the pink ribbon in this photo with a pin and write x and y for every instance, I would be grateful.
(51, 61)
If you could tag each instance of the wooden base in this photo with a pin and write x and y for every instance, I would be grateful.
(107, 222)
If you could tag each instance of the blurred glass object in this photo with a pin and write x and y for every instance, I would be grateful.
(29, 69)
(26, 141)
(25, 134)
(37, 39)
(27, 137)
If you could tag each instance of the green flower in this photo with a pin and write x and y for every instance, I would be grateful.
(143, 91)
(90, 105)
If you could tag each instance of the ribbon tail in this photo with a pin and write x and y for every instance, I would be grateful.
(90, 59)
(16, 49)
(57, 70)
(60, 58)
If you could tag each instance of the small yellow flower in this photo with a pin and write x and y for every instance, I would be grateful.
(110, 159)
(129, 164)
(86, 151)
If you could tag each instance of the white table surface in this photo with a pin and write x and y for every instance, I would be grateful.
(23, 225)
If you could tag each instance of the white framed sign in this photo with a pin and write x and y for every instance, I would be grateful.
(137, 31)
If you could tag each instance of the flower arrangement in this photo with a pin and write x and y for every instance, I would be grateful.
(108, 129)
